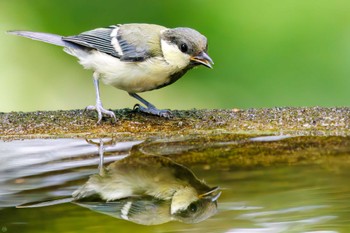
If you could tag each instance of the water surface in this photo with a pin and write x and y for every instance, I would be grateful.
(308, 196)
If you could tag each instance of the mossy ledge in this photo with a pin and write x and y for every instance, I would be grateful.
(134, 125)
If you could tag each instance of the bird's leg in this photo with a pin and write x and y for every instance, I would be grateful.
(150, 108)
(101, 150)
(98, 107)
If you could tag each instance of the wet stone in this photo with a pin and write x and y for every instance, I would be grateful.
(131, 124)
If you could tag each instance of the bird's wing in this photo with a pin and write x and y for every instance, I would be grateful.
(128, 42)
(99, 39)
(139, 41)
(144, 210)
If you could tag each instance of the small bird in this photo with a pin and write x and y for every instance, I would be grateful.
(148, 190)
(133, 57)
(144, 189)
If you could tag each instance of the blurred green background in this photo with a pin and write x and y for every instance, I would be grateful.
(266, 52)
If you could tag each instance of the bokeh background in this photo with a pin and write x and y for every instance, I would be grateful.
(267, 53)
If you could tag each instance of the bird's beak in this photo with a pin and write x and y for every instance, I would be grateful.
(203, 59)
(212, 194)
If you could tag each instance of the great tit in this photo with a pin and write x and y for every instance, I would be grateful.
(133, 57)
(144, 189)
(148, 190)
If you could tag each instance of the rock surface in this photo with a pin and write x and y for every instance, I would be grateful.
(131, 125)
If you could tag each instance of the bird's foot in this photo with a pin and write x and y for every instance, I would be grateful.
(154, 111)
(99, 109)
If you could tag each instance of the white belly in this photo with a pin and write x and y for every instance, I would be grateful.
(128, 76)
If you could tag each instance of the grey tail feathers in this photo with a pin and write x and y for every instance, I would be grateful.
(45, 203)
(45, 37)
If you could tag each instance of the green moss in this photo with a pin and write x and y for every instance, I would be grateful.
(204, 137)
(232, 151)
(131, 124)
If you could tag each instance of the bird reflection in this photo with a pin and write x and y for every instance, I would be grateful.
(139, 188)
(148, 190)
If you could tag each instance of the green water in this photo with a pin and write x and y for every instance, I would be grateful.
(310, 195)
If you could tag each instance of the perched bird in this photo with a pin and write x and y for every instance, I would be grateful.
(148, 190)
(133, 57)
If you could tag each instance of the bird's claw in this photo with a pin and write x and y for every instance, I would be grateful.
(99, 109)
(153, 111)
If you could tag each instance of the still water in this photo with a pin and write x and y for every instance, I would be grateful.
(101, 185)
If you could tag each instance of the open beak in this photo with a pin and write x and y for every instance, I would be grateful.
(203, 59)
(212, 194)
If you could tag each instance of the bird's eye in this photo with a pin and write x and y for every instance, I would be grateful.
(183, 47)
(192, 208)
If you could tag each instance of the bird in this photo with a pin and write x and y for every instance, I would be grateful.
(148, 190)
(141, 188)
(134, 57)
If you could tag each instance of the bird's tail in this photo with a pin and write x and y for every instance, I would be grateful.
(45, 37)
(45, 203)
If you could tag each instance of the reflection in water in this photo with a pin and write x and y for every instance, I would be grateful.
(37, 170)
(146, 190)
(281, 197)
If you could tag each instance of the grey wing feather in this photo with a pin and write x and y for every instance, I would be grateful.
(139, 41)
(139, 205)
(131, 52)
(99, 39)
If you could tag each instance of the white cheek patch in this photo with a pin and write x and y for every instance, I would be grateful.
(182, 199)
(115, 42)
(173, 56)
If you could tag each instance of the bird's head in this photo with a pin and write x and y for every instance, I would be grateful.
(185, 47)
(190, 207)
